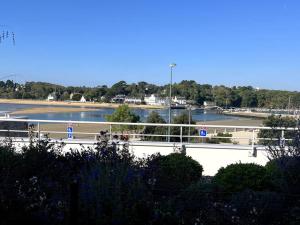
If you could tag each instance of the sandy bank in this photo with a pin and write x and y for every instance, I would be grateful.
(86, 104)
(239, 122)
(42, 110)
(255, 114)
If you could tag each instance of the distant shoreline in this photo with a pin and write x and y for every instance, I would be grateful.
(256, 115)
(42, 110)
(76, 104)
(239, 122)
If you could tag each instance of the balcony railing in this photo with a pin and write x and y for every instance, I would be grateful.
(182, 133)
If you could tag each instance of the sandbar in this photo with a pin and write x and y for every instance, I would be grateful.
(76, 104)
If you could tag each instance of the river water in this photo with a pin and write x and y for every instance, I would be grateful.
(100, 113)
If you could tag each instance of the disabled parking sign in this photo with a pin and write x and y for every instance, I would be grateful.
(70, 131)
(203, 132)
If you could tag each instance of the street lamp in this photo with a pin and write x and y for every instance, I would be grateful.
(172, 65)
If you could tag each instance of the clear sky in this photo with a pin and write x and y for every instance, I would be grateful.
(85, 42)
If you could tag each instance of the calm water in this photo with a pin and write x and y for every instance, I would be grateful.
(99, 114)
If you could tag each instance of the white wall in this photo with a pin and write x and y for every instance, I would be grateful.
(211, 156)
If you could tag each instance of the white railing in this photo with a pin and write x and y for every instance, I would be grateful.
(137, 133)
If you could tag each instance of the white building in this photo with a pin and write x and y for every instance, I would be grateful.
(137, 101)
(118, 99)
(179, 100)
(82, 99)
(153, 100)
(52, 97)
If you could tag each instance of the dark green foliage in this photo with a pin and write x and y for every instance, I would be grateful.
(223, 140)
(36, 186)
(191, 90)
(238, 177)
(216, 140)
(173, 173)
(76, 97)
(196, 204)
(107, 185)
(111, 187)
(123, 114)
(251, 208)
(154, 117)
(274, 122)
(284, 174)
(32, 187)
(212, 140)
(182, 119)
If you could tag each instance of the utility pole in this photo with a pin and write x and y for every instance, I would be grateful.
(170, 99)
(190, 118)
(289, 104)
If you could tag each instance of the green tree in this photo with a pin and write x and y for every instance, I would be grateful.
(123, 114)
(154, 117)
(76, 97)
(182, 119)
(65, 96)
(275, 135)
(221, 95)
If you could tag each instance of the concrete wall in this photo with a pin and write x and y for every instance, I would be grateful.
(211, 156)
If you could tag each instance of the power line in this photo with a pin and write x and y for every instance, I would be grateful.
(7, 76)
(7, 34)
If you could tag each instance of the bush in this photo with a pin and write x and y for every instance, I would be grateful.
(212, 140)
(107, 185)
(238, 177)
(250, 207)
(172, 173)
(221, 139)
(195, 204)
(284, 174)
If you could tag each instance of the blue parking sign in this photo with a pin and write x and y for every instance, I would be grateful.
(70, 132)
(203, 133)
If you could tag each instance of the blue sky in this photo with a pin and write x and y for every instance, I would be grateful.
(85, 42)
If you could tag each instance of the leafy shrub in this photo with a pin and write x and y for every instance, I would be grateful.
(195, 204)
(107, 185)
(216, 140)
(284, 174)
(223, 140)
(212, 140)
(173, 173)
(250, 207)
(238, 177)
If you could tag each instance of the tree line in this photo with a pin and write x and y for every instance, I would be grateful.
(236, 96)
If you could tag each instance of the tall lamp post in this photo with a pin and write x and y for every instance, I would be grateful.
(170, 99)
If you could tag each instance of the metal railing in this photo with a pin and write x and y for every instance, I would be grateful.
(57, 129)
